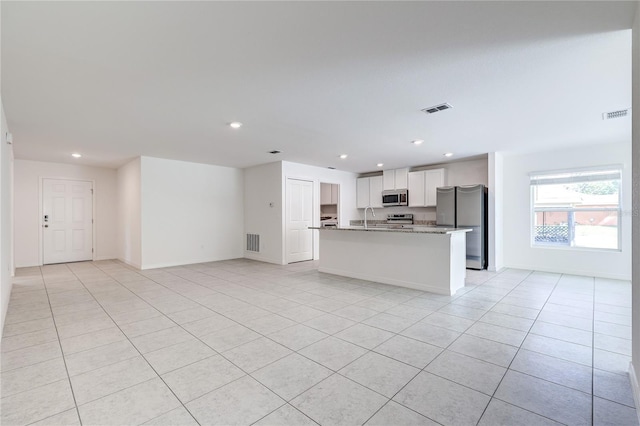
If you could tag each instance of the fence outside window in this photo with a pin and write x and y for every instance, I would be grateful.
(579, 208)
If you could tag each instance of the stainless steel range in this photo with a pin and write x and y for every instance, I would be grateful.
(400, 220)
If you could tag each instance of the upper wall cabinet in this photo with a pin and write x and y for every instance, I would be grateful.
(416, 189)
(329, 193)
(422, 187)
(369, 192)
(395, 179)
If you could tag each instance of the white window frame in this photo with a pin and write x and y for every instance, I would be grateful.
(618, 168)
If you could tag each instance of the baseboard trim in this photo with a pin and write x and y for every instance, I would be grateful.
(635, 388)
(184, 263)
(571, 272)
(105, 258)
(135, 265)
(386, 280)
(257, 257)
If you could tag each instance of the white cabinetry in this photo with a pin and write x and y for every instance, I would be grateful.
(388, 179)
(362, 192)
(422, 187)
(329, 193)
(325, 193)
(395, 179)
(402, 176)
(369, 192)
(416, 189)
(433, 180)
(375, 191)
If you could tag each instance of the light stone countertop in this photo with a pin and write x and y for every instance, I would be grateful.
(409, 229)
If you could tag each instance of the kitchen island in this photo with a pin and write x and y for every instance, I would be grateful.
(423, 258)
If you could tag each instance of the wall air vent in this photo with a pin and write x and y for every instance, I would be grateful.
(253, 242)
(436, 108)
(275, 151)
(615, 114)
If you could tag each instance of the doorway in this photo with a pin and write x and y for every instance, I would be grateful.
(67, 221)
(299, 216)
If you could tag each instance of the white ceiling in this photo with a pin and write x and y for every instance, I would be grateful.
(115, 80)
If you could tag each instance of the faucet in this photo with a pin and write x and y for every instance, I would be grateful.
(365, 215)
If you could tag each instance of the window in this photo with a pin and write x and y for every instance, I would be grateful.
(578, 208)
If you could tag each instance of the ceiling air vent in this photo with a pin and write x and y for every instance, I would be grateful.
(436, 108)
(615, 114)
(275, 151)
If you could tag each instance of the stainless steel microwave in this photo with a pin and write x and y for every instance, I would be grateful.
(395, 197)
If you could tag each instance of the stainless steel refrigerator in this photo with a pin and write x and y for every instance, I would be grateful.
(466, 207)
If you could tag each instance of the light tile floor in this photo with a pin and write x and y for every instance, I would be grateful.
(243, 342)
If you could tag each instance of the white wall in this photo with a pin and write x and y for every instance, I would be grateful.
(191, 212)
(265, 194)
(346, 207)
(464, 172)
(636, 206)
(518, 252)
(27, 223)
(129, 216)
(496, 212)
(263, 207)
(6, 213)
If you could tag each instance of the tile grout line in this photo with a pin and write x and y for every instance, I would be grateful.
(283, 405)
(216, 352)
(507, 368)
(64, 360)
(292, 351)
(423, 369)
(134, 346)
(233, 283)
(369, 350)
(514, 356)
(520, 348)
(297, 352)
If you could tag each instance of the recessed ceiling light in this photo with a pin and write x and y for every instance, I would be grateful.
(380, 164)
(235, 124)
(76, 155)
(417, 142)
(343, 156)
(448, 154)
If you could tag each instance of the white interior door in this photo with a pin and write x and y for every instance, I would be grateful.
(299, 216)
(67, 221)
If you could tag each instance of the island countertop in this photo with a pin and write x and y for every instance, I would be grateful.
(410, 230)
(425, 258)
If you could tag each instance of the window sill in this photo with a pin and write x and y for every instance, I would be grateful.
(568, 248)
